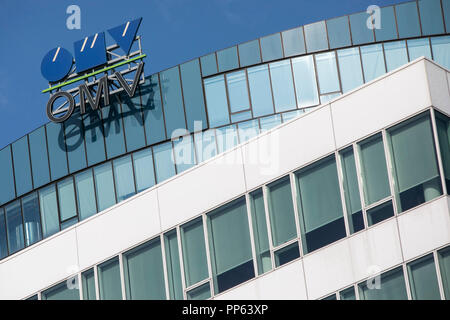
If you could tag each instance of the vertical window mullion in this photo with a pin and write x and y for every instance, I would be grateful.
(208, 253)
(80, 285)
(356, 151)
(269, 227)
(341, 190)
(97, 287)
(438, 273)
(163, 254)
(180, 253)
(438, 151)
(296, 213)
(252, 237)
(122, 277)
(390, 167)
(406, 279)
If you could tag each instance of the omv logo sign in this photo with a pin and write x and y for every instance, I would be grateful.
(90, 52)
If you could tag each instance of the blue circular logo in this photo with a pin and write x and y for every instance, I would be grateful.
(56, 64)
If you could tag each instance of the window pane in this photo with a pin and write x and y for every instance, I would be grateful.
(202, 292)
(39, 158)
(193, 95)
(248, 130)
(49, 211)
(418, 48)
(347, 294)
(260, 91)
(416, 181)
(155, 129)
(205, 143)
(94, 137)
(104, 186)
(423, 279)
(316, 36)
(396, 55)
(293, 42)
(241, 116)
(84, 185)
(392, 287)
(22, 170)
(282, 85)
(441, 50)
(360, 32)
(269, 122)
(446, 9)
(56, 150)
(380, 213)
(133, 122)
(66, 196)
(249, 53)
(351, 190)
(61, 292)
(15, 227)
(216, 101)
(230, 248)
(271, 47)
(143, 169)
(238, 91)
(6, 176)
(330, 297)
(74, 135)
(407, 20)
(31, 218)
(388, 30)
(144, 273)
(209, 64)
(227, 59)
(374, 170)
(327, 72)
(350, 69)
(260, 234)
(443, 130)
(444, 266)
(287, 254)
(113, 129)
(305, 81)
(164, 164)
(373, 61)
(320, 204)
(194, 252)
(431, 17)
(109, 280)
(292, 114)
(88, 280)
(339, 32)
(226, 138)
(3, 237)
(173, 265)
(184, 153)
(124, 178)
(281, 211)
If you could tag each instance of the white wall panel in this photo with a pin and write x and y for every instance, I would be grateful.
(437, 79)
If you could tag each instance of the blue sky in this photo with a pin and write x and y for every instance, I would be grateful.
(173, 31)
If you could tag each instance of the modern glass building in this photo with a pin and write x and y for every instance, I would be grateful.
(313, 163)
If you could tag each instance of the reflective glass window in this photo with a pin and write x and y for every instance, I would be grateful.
(248, 130)
(22, 170)
(216, 101)
(360, 32)
(205, 145)
(443, 130)
(392, 287)
(113, 129)
(164, 162)
(305, 81)
(281, 211)
(373, 61)
(286, 254)
(339, 32)
(209, 64)
(330, 297)
(446, 9)
(418, 48)
(269, 122)
(241, 116)
(395, 53)
(238, 91)
(292, 114)
(104, 186)
(347, 294)
(327, 72)
(124, 178)
(173, 265)
(316, 36)
(202, 292)
(56, 150)
(39, 158)
(14, 225)
(260, 90)
(143, 169)
(320, 206)
(293, 42)
(66, 197)
(172, 100)
(109, 284)
(227, 59)
(230, 248)
(84, 186)
(49, 210)
(282, 85)
(423, 279)
(193, 95)
(184, 153)
(194, 252)
(88, 283)
(388, 30)
(350, 69)
(380, 212)
(144, 272)
(155, 129)
(407, 19)
(31, 219)
(271, 47)
(3, 235)
(441, 50)
(227, 138)
(133, 122)
(444, 266)
(94, 137)
(249, 53)
(74, 135)
(431, 17)
(61, 292)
